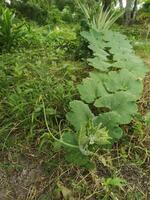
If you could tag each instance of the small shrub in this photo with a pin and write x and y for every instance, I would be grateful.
(143, 16)
(10, 31)
(67, 15)
(54, 16)
(31, 11)
(64, 39)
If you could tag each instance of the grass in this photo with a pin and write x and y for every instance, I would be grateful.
(143, 49)
(33, 73)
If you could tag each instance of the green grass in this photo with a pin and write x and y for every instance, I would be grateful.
(27, 78)
(143, 49)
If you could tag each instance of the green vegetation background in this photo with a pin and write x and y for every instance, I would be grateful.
(42, 58)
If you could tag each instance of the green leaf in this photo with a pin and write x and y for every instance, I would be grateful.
(70, 138)
(79, 115)
(83, 141)
(117, 42)
(122, 103)
(100, 63)
(98, 76)
(113, 86)
(91, 89)
(95, 39)
(100, 137)
(131, 62)
(75, 157)
(124, 81)
(92, 135)
(116, 181)
(111, 121)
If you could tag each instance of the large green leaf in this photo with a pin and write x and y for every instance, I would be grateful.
(91, 89)
(118, 43)
(76, 157)
(100, 63)
(92, 135)
(124, 81)
(95, 39)
(79, 115)
(122, 103)
(131, 62)
(69, 138)
(110, 120)
(98, 76)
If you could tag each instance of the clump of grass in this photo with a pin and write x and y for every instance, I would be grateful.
(26, 78)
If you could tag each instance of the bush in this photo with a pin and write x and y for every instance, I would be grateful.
(144, 13)
(10, 31)
(31, 11)
(67, 15)
(143, 17)
(64, 39)
(146, 6)
(54, 16)
(61, 4)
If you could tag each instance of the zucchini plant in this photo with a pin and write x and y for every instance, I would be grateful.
(108, 97)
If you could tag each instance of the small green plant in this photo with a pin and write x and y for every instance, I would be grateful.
(110, 183)
(10, 32)
(95, 15)
(115, 181)
(64, 39)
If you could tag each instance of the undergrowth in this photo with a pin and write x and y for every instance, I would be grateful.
(38, 79)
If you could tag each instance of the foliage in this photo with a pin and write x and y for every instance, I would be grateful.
(54, 16)
(67, 15)
(143, 17)
(44, 4)
(146, 6)
(10, 32)
(38, 73)
(31, 11)
(114, 182)
(44, 12)
(136, 33)
(95, 15)
(113, 87)
(108, 96)
(25, 78)
(65, 39)
(61, 4)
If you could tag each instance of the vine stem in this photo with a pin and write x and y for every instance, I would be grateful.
(89, 153)
(56, 139)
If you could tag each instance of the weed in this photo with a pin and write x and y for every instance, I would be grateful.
(10, 32)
